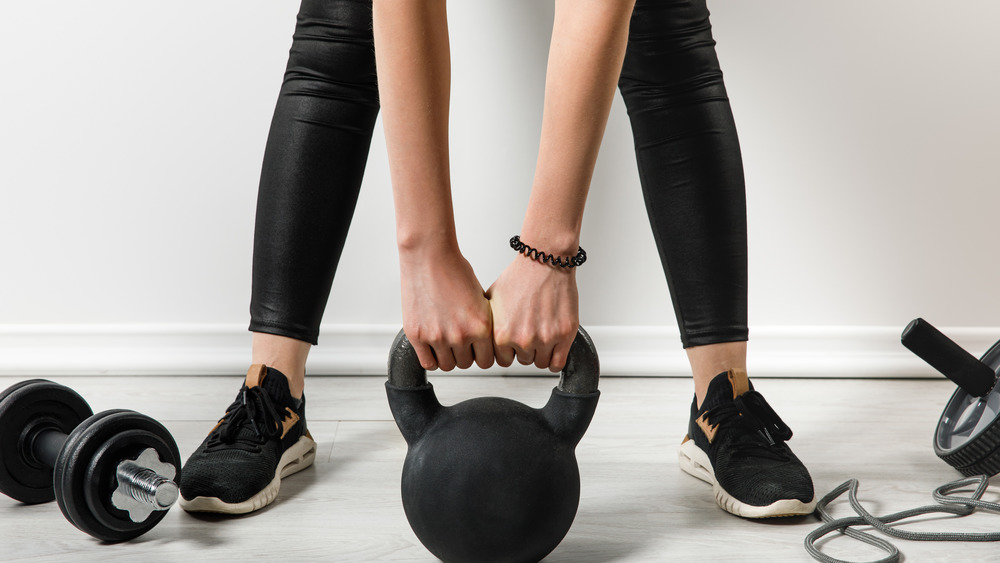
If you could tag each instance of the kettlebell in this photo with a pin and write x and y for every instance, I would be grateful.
(491, 479)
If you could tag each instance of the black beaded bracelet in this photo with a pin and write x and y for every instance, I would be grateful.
(535, 254)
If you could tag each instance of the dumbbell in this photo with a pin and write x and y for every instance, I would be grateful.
(968, 433)
(113, 474)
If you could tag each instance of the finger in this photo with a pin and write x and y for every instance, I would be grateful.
(543, 356)
(483, 351)
(559, 355)
(463, 356)
(425, 354)
(524, 357)
(504, 355)
(445, 358)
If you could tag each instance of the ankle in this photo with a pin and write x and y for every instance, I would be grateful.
(710, 360)
(284, 354)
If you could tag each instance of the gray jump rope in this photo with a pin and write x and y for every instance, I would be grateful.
(948, 504)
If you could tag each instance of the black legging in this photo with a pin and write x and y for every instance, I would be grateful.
(689, 160)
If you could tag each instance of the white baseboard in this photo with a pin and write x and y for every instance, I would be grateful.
(189, 349)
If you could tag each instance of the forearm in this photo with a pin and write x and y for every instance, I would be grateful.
(585, 58)
(414, 75)
(445, 313)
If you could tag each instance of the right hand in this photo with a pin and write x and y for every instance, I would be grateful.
(446, 315)
(535, 314)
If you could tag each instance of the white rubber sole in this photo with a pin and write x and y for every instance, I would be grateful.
(694, 461)
(296, 458)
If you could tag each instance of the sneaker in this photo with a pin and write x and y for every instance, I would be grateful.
(736, 442)
(261, 439)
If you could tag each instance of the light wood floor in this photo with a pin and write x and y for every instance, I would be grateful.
(636, 504)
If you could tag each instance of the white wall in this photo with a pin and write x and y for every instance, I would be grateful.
(131, 137)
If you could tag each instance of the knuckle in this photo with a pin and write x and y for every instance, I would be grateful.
(454, 338)
(413, 332)
(428, 335)
(545, 334)
(524, 342)
(566, 330)
(483, 333)
(436, 337)
(501, 337)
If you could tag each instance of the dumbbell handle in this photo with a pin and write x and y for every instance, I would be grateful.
(141, 483)
(46, 446)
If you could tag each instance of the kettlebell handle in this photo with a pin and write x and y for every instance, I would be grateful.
(579, 377)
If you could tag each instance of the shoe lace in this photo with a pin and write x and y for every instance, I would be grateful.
(254, 407)
(764, 431)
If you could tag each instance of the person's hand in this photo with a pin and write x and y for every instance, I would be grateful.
(446, 315)
(535, 314)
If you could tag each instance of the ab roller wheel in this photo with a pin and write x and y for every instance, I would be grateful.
(967, 437)
(113, 473)
(491, 479)
(968, 434)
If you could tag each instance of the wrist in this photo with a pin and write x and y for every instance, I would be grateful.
(424, 242)
(558, 242)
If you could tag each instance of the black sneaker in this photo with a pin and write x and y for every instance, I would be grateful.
(736, 442)
(262, 438)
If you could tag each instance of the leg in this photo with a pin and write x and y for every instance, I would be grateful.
(313, 164)
(691, 172)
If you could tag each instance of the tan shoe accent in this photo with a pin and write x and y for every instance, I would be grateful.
(256, 375)
(707, 428)
(740, 381)
(218, 424)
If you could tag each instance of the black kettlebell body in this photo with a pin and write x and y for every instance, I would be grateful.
(491, 479)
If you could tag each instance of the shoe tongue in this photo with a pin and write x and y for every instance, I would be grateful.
(271, 381)
(275, 384)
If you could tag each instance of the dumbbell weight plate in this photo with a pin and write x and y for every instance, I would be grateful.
(38, 404)
(968, 433)
(85, 473)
